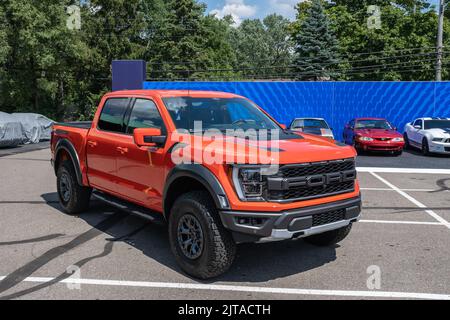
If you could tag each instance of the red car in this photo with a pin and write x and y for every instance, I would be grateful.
(374, 134)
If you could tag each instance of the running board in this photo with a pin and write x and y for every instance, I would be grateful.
(128, 207)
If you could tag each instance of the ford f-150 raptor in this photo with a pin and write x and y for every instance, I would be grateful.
(125, 157)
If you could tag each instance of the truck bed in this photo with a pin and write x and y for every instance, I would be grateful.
(77, 124)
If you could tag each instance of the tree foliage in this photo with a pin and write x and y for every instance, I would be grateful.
(263, 45)
(48, 68)
(316, 45)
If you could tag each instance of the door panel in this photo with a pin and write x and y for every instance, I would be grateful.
(142, 170)
(141, 173)
(101, 144)
(101, 157)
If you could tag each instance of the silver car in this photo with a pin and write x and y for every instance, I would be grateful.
(317, 126)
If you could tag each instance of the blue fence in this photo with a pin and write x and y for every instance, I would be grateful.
(338, 102)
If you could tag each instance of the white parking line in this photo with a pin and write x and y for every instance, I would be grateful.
(406, 190)
(403, 170)
(213, 287)
(416, 202)
(403, 222)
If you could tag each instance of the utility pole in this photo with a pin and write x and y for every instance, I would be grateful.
(440, 40)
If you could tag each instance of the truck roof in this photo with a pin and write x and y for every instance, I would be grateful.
(175, 93)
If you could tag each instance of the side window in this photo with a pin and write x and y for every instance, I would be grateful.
(111, 118)
(145, 114)
(418, 123)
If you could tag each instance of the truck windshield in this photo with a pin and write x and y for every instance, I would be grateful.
(373, 124)
(437, 124)
(217, 113)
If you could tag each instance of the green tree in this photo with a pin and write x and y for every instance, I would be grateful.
(190, 44)
(41, 55)
(112, 30)
(402, 49)
(263, 48)
(316, 45)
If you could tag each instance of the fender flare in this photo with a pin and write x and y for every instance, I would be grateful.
(203, 176)
(66, 145)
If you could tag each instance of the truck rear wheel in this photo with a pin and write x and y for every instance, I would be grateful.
(202, 246)
(329, 238)
(72, 197)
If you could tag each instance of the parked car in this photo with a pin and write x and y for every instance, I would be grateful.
(11, 131)
(431, 135)
(124, 157)
(36, 127)
(317, 126)
(373, 134)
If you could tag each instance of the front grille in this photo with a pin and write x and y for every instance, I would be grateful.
(382, 139)
(328, 217)
(311, 169)
(306, 193)
(298, 182)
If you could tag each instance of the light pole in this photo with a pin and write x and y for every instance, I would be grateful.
(440, 40)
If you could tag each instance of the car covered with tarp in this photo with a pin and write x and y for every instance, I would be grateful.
(36, 127)
(11, 131)
(23, 128)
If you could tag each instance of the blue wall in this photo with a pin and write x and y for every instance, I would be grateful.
(338, 102)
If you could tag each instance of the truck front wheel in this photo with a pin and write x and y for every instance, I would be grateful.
(72, 197)
(201, 245)
(329, 238)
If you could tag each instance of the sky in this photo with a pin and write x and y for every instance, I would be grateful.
(243, 9)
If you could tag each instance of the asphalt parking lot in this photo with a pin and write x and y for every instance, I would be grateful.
(404, 233)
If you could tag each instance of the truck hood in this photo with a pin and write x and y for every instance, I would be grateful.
(378, 133)
(306, 148)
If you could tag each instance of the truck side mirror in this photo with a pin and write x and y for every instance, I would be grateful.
(149, 137)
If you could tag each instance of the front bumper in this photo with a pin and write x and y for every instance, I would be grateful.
(298, 223)
(380, 146)
(439, 147)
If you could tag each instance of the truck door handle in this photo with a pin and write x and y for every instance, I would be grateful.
(92, 144)
(122, 150)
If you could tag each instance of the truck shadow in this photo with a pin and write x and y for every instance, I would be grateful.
(254, 262)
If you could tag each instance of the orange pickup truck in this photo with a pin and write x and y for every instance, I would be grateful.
(214, 167)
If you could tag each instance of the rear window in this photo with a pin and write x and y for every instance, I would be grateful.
(310, 123)
(112, 116)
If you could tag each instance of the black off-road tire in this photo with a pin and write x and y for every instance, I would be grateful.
(219, 248)
(79, 198)
(329, 238)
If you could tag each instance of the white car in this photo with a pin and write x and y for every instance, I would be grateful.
(431, 135)
(317, 126)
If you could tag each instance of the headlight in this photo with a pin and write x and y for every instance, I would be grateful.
(438, 139)
(249, 183)
(398, 140)
(365, 139)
